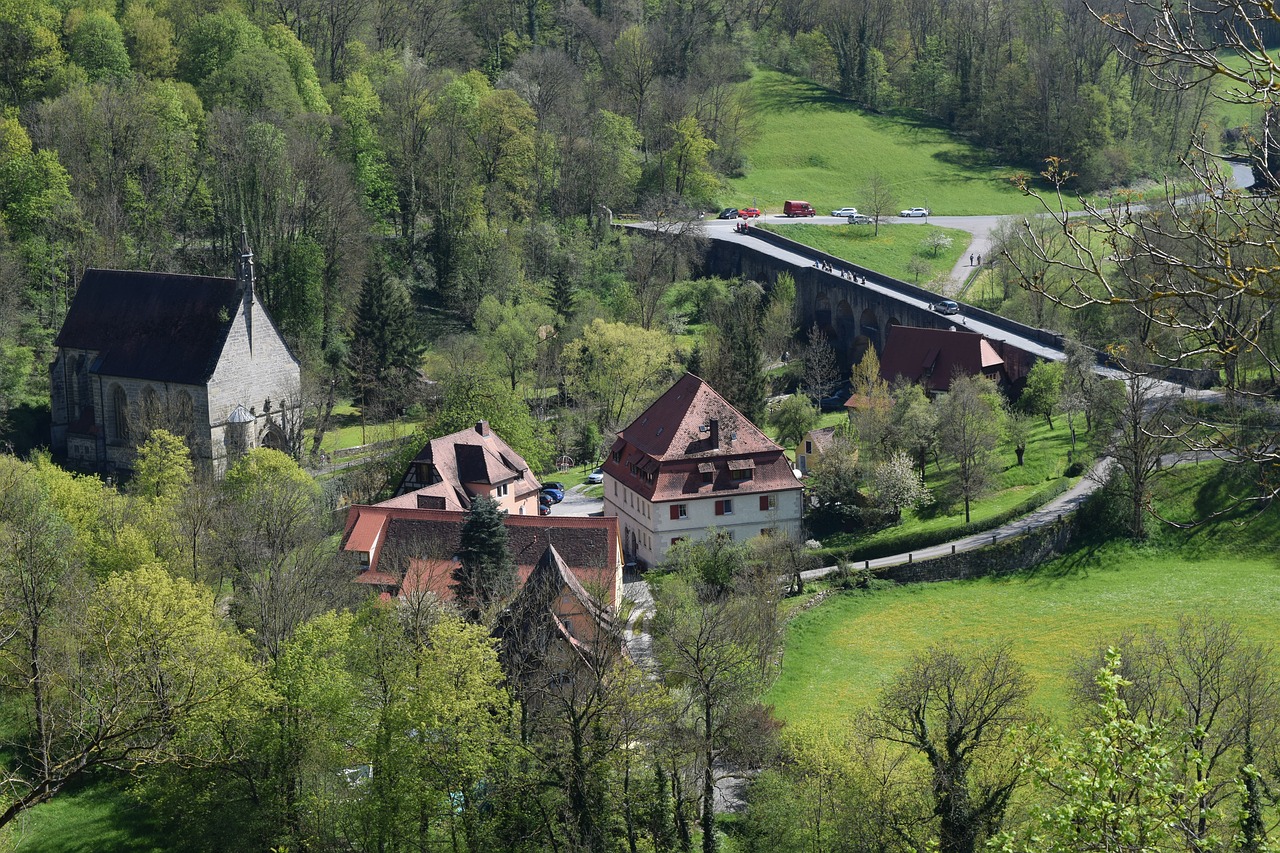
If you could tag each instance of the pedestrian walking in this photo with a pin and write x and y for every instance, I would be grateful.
(971, 260)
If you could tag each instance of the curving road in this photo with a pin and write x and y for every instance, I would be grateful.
(979, 228)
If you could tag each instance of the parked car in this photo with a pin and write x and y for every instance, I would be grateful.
(749, 212)
(554, 485)
(552, 494)
(860, 219)
(596, 476)
(947, 306)
(845, 211)
(798, 208)
(729, 213)
(915, 211)
(544, 509)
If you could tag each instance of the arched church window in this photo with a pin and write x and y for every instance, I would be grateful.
(120, 413)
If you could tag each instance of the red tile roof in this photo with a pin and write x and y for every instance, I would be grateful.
(822, 438)
(475, 455)
(416, 547)
(678, 425)
(932, 356)
(690, 430)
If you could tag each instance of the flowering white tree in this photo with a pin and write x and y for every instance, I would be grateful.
(898, 485)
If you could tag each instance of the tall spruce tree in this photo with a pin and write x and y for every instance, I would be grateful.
(384, 352)
(486, 573)
(734, 355)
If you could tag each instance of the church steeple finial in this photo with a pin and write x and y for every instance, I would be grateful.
(244, 275)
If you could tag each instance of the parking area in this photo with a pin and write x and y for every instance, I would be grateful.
(576, 502)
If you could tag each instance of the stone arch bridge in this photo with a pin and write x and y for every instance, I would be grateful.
(855, 307)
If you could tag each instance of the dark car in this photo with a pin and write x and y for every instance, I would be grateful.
(729, 213)
(544, 509)
(551, 494)
(554, 485)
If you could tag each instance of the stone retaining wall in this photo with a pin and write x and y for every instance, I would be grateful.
(1005, 557)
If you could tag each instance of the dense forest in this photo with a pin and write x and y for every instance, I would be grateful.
(424, 168)
(427, 186)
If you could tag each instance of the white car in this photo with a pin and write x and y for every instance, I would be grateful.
(915, 211)
(845, 212)
(596, 476)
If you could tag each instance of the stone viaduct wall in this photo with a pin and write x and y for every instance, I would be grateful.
(854, 316)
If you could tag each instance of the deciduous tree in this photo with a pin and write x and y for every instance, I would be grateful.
(792, 419)
(707, 640)
(969, 429)
(962, 713)
(898, 485)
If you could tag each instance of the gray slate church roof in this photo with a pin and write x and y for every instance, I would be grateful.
(157, 326)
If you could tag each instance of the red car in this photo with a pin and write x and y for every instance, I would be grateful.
(749, 212)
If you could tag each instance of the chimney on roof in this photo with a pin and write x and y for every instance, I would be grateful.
(244, 276)
(714, 426)
(482, 427)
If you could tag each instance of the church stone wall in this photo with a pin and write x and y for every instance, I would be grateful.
(264, 378)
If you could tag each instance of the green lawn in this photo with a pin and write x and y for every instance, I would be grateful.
(889, 252)
(849, 647)
(810, 144)
(1232, 114)
(1039, 477)
(345, 430)
(98, 819)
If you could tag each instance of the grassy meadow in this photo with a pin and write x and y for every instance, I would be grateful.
(890, 252)
(100, 818)
(810, 144)
(1038, 480)
(850, 646)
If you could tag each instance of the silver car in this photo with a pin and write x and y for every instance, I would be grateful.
(915, 211)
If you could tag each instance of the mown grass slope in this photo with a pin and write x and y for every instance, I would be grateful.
(847, 649)
(889, 252)
(809, 144)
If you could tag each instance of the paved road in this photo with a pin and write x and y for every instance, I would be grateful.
(1064, 504)
(979, 228)
(723, 230)
(576, 502)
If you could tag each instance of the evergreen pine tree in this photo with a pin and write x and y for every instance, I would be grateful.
(734, 356)
(486, 572)
(384, 352)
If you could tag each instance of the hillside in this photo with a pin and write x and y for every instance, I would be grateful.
(808, 143)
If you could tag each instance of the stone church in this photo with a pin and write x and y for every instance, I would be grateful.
(195, 355)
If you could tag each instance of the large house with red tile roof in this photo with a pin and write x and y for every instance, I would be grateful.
(404, 551)
(931, 357)
(451, 470)
(692, 463)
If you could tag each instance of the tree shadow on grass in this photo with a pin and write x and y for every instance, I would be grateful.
(788, 93)
(99, 817)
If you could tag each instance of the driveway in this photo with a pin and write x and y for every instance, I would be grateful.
(576, 502)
